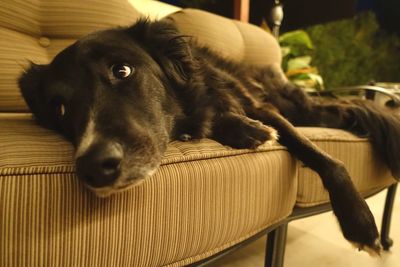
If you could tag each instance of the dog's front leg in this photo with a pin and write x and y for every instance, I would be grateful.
(355, 218)
(239, 131)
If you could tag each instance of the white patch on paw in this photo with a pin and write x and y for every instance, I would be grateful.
(274, 136)
(372, 251)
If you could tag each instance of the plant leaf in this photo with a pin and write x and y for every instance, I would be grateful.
(298, 38)
(299, 63)
(285, 51)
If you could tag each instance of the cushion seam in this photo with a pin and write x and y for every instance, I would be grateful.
(314, 203)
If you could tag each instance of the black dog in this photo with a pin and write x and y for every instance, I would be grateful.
(121, 95)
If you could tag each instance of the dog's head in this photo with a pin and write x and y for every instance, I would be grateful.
(111, 94)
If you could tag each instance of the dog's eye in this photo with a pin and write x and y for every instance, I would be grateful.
(60, 109)
(58, 105)
(121, 71)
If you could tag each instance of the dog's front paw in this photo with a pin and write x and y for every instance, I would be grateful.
(242, 132)
(362, 232)
(254, 133)
(355, 218)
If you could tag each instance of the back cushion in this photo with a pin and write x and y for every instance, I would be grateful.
(232, 39)
(35, 30)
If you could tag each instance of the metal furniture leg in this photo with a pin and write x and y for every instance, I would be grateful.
(275, 248)
(386, 241)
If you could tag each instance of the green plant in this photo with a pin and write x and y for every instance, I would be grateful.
(297, 51)
(355, 51)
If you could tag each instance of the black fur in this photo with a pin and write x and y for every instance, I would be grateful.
(180, 90)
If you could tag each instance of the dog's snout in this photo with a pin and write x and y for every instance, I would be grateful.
(100, 166)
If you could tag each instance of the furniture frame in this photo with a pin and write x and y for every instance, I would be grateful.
(276, 234)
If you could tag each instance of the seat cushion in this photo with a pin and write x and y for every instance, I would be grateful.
(204, 198)
(368, 173)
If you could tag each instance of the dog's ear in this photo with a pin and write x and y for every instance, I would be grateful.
(30, 86)
(162, 40)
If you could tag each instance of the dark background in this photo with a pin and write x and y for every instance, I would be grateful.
(303, 13)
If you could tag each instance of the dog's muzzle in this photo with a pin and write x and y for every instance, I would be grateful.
(100, 165)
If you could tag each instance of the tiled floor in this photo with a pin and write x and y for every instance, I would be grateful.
(317, 241)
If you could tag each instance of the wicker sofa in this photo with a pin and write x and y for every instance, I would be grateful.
(204, 199)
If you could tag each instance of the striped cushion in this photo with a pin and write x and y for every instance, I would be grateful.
(369, 174)
(204, 198)
(35, 30)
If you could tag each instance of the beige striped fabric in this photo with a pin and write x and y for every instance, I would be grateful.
(204, 198)
(368, 173)
(35, 30)
(21, 16)
(15, 49)
(234, 40)
(67, 19)
(64, 19)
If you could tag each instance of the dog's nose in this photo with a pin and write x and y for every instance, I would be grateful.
(100, 166)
